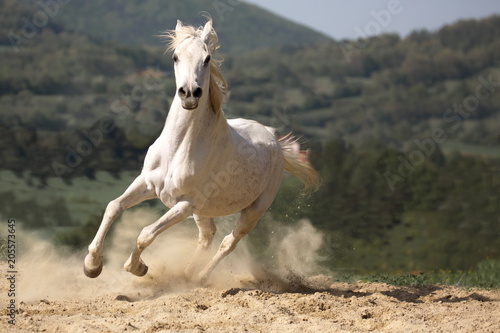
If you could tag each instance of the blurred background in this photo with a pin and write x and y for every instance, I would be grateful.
(397, 102)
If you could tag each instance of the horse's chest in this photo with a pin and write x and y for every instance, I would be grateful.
(182, 177)
(170, 179)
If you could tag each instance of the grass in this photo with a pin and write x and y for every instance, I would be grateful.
(470, 149)
(486, 275)
(83, 198)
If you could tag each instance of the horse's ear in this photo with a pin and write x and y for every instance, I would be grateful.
(179, 25)
(207, 29)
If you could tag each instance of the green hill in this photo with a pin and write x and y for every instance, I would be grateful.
(391, 89)
(241, 27)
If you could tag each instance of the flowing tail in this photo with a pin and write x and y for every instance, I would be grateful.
(297, 164)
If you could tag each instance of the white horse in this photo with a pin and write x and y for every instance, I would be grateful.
(203, 164)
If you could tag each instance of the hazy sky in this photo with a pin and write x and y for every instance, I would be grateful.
(348, 19)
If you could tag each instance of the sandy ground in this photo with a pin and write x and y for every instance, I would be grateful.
(53, 295)
(342, 308)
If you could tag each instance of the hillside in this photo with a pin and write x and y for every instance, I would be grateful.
(241, 26)
(392, 89)
(395, 90)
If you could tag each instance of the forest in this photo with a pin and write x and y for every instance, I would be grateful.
(405, 132)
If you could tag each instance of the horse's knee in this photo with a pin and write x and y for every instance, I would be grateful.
(114, 207)
(145, 238)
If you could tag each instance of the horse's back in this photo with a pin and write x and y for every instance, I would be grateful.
(253, 132)
(257, 146)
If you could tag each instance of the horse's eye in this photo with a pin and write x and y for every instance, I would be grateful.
(175, 57)
(207, 60)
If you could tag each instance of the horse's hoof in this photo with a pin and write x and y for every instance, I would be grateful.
(92, 273)
(141, 269)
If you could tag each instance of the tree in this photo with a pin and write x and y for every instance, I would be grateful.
(450, 65)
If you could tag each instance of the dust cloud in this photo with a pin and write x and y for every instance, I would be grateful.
(272, 282)
(47, 272)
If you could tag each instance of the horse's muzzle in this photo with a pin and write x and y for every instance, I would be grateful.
(190, 98)
(190, 103)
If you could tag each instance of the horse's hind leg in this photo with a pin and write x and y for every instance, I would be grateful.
(135, 193)
(206, 232)
(247, 221)
(176, 214)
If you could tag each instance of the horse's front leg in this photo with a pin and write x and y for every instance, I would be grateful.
(176, 214)
(206, 232)
(135, 193)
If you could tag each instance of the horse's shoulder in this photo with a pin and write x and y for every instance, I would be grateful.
(153, 156)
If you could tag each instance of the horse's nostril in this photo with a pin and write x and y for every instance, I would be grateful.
(197, 92)
(181, 92)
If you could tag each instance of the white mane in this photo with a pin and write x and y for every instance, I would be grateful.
(218, 85)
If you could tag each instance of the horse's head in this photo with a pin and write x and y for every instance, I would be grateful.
(192, 65)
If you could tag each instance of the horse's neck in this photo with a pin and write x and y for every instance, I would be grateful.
(191, 129)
